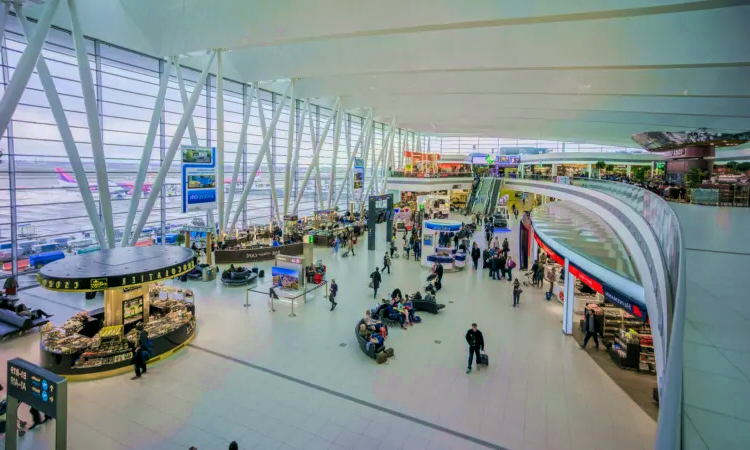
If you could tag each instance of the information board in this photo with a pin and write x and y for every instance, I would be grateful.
(199, 183)
(37, 387)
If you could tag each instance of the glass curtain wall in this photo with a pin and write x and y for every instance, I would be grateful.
(36, 176)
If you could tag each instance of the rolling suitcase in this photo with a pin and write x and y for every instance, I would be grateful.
(484, 359)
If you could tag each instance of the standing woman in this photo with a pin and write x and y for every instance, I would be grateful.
(516, 293)
(141, 352)
(336, 243)
(375, 283)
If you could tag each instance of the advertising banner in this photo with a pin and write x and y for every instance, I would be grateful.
(199, 183)
(359, 177)
(610, 294)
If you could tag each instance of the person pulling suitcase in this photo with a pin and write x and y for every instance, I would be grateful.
(476, 344)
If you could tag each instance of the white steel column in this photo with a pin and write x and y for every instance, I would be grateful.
(383, 150)
(316, 154)
(336, 142)
(92, 117)
(220, 136)
(353, 155)
(269, 163)
(184, 98)
(147, 150)
(314, 140)
(568, 299)
(289, 148)
(4, 9)
(298, 145)
(261, 153)
(389, 162)
(238, 157)
(169, 157)
(25, 66)
(67, 136)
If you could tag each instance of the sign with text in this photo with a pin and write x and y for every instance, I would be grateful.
(555, 257)
(610, 294)
(37, 387)
(199, 183)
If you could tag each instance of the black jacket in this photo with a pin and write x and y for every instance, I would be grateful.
(502, 262)
(439, 271)
(375, 278)
(475, 253)
(475, 339)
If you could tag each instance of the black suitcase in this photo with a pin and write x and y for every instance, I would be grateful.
(438, 285)
(261, 274)
(484, 359)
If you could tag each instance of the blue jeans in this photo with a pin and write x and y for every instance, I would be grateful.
(510, 274)
(516, 299)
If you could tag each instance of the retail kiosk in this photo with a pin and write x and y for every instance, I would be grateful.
(100, 343)
(438, 247)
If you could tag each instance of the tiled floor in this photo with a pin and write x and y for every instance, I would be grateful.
(271, 381)
(717, 331)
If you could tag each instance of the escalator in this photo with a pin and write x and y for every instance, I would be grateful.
(493, 195)
(479, 199)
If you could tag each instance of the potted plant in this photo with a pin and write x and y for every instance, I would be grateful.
(732, 167)
(695, 177)
(10, 286)
(600, 165)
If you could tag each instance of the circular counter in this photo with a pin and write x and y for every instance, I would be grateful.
(100, 343)
(435, 233)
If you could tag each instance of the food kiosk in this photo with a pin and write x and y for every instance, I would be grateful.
(435, 233)
(100, 343)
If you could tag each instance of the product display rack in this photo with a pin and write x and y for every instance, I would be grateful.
(625, 350)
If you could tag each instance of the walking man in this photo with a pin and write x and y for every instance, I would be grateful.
(375, 283)
(332, 294)
(386, 263)
(351, 246)
(590, 327)
(476, 343)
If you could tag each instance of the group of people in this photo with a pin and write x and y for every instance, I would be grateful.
(398, 308)
(411, 243)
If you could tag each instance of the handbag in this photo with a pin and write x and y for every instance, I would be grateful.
(370, 285)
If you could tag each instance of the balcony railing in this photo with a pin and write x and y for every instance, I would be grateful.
(668, 231)
(404, 174)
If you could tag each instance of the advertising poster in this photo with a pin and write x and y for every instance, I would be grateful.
(199, 179)
(359, 177)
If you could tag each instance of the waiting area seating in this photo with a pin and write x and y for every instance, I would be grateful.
(15, 320)
(238, 276)
(428, 303)
(371, 352)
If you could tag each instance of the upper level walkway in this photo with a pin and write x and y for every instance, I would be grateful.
(716, 389)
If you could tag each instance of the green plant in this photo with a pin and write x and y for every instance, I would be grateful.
(180, 239)
(610, 167)
(10, 283)
(695, 177)
(600, 164)
(641, 173)
(732, 166)
(743, 166)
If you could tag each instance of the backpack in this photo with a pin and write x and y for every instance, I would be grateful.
(417, 319)
(512, 265)
(390, 353)
(381, 358)
(383, 332)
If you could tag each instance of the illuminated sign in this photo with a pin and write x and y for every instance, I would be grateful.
(37, 387)
(102, 283)
(611, 295)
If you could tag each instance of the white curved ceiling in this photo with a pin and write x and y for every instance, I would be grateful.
(575, 70)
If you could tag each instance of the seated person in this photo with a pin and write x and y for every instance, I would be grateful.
(231, 268)
(370, 323)
(376, 340)
(409, 307)
(275, 242)
(363, 332)
(393, 314)
(22, 310)
(310, 272)
(396, 293)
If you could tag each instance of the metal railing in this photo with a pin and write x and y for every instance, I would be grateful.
(404, 174)
(668, 231)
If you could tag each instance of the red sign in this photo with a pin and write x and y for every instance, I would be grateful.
(587, 280)
(549, 251)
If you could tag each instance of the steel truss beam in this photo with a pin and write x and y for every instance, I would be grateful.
(336, 142)
(25, 66)
(261, 153)
(353, 155)
(92, 117)
(316, 155)
(67, 136)
(383, 149)
(169, 157)
(148, 148)
(269, 162)
(290, 148)
(238, 156)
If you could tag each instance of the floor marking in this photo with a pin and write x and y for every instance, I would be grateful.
(717, 251)
(350, 398)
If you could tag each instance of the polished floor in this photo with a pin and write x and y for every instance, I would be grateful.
(272, 381)
(717, 329)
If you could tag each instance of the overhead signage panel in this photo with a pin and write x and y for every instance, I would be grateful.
(199, 183)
